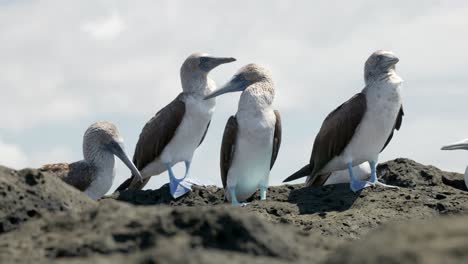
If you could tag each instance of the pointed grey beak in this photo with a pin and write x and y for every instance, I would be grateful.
(207, 63)
(392, 61)
(237, 84)
(119, 150)
(458, 145)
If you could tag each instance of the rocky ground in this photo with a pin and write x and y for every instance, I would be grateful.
(42, 220)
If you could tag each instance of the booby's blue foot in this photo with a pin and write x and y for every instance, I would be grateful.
(234, 202)
(179, 188)
(373, 179)
(355, 184)
(263, 191)
(359, 185)
(176, 186)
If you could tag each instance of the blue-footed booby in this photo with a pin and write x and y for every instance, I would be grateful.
(252, 137)
(459, 145)
(95, 173)
(176, 131)
(359, 129)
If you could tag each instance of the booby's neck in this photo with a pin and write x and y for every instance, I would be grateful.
(197, 85)
(100, 158)
(389, 76)
(257, 97)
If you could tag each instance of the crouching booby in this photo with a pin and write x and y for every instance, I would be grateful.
(94, 175)
(252, 137)
(459, 145)
(173, 135)
(361, 128)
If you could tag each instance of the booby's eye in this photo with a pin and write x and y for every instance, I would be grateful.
(203, 60)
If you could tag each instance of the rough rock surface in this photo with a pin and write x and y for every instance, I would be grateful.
(28, 193)
(334, 210)
(327, 224)
(444, 240)
(117, 228)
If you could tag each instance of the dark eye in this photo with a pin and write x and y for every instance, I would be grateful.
(203, 60)
(380, 57)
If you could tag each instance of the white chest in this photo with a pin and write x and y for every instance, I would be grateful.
(252, 158)
(190, 132)
(102, 183)
(383, 104)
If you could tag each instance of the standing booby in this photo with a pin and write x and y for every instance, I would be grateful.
(361, 128)
(459, 145)
(252, 137)
(94, 175)
(175, 132)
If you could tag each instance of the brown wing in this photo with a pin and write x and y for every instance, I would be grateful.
(336, 132)
(154, 137)
(60, 170)
(397, 126)
(78, 174)
(276, 139)
(228, 147)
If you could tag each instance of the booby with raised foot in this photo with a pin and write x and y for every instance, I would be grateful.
(359, 129)
(252, 137)
(95, 174)
(176, 131)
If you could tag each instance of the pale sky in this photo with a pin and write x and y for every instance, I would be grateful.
(67, 64)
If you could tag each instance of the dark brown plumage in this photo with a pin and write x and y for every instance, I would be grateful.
(155, 136)
(78, 174)
(340, 126)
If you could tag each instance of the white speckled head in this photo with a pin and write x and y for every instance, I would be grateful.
(100, 134)
(255, 73)
(195, 69)
(101, 141)
(256, 83)
(380, 64)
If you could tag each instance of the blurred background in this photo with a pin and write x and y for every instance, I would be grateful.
(67, 64)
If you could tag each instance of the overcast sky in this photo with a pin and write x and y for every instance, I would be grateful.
(67, 64)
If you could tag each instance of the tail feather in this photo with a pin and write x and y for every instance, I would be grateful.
(132, 183)
(305, 171)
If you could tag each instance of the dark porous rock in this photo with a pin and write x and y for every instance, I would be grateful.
(334, 210)
(408, 173)
(444, 240)
(295, 224)
(199, 196)
(28, 193)
(182, 233)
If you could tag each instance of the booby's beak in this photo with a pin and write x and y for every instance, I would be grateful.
(119, 150)
(207, 63)
(391, 60)
(458, 145)
(238, 83)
